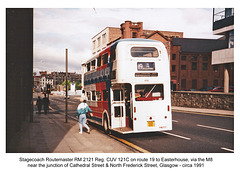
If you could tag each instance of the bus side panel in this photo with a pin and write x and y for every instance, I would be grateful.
(99, 107)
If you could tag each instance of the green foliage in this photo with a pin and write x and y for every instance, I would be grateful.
(64, 83)
(78, 84)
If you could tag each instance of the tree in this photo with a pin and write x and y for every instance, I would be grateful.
(78, 84)
(69, 83)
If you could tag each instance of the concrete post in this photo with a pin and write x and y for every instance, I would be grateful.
(226, 79)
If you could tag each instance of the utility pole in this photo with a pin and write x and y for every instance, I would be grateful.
(66, 117)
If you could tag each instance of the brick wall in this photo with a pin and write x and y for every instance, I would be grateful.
(114, 33)
(209, 100)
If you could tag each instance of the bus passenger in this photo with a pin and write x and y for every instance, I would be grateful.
(82, 109)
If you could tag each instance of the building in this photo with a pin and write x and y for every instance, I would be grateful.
(103, 38)
(190, 59)
(44, 80)
(191, 67)
(130, 29)
(223, 24)
(19, 73)
(59, 77)
(36, 81)
(54, 79)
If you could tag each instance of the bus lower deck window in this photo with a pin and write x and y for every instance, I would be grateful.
(149, 92)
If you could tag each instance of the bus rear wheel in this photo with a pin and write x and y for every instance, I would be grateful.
(105, 126)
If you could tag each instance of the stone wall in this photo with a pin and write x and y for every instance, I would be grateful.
(209, 100)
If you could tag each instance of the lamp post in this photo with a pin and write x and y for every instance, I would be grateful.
(66, 117)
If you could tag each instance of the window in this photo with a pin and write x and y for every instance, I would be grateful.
(183, 57)
(117, 95)
(173, 56)
(215, 68)
(94, 44)
(173, 68)
(205, 58)
(149, 92)
(205, 83)
(105, 95)
(88, 66)
(99, 95)
(93, 64)
(144, 52)
(194, 65)
(88, 96)
(194, 58)
(183, 67)
(99, 41)
(231, 39)
(229, 12)
(205, 66)
(99, 61)
(112, 54)
(183, 84)
(105, 58)
(215, 82)
(194, 83)
(93, 95)
(134, 34)
(118, 110)
(104, 38)
(113, 74)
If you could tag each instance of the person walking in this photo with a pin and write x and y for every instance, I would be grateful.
(82, 109)
(45, 104)
(39, 104)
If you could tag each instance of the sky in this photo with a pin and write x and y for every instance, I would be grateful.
(58, 29)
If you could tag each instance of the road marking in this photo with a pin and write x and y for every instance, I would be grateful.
(130, 144)
(230, 150)
(216, 128)
(202, 113)
(174, 121)
(179, 136)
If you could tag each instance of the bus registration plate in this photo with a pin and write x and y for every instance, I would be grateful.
(151, 123)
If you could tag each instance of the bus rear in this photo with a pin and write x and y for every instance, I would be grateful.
(142, 69)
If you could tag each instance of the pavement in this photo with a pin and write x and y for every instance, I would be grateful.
(203, 110)
(50, 134)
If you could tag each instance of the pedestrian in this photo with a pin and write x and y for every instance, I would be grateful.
(46, 104)
(39, 104)
(82, 109)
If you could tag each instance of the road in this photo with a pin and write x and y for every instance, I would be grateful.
(192, 132)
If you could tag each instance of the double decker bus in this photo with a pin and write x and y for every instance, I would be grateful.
(127, 86)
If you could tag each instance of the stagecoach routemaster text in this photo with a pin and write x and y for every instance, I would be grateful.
(131, 162)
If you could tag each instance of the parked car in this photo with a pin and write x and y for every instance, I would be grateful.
(217, 89)
(231, 89)
(207, 88)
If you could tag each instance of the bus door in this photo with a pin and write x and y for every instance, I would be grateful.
(118, 115)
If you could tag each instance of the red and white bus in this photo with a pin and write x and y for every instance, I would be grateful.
(127, 86)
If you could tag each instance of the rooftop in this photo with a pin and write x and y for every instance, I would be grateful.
(198, 45)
